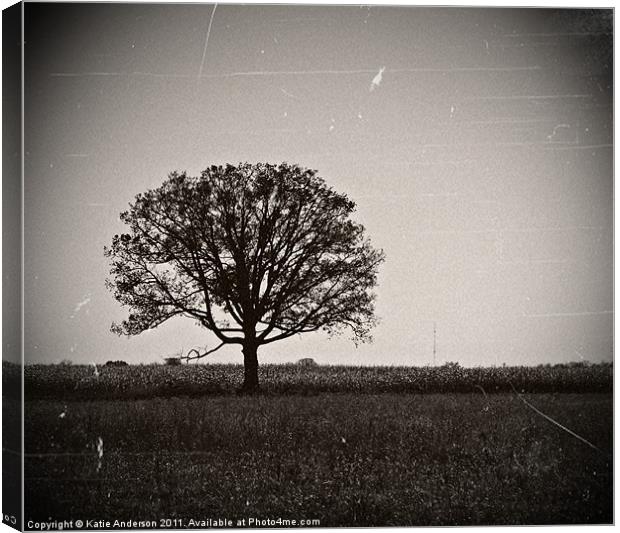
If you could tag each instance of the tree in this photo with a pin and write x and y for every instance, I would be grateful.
(255, 253)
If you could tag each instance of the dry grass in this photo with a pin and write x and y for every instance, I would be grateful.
(346, 459)
(80, 382)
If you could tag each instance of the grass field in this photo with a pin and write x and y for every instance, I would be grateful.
(82, 382)
(346, 459)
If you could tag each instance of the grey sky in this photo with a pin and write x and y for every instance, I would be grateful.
(476, 143)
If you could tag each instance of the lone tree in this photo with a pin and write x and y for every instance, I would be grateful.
(255, 253)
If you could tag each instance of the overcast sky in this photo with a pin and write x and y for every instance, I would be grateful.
(475, 142)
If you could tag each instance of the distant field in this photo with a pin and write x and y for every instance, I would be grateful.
(149, 381)
(345, 459)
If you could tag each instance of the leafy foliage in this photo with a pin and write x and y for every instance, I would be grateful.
(255, 253)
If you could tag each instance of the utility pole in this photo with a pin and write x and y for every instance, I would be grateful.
(434, 343)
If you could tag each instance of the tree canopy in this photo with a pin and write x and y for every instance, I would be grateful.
(255, 253)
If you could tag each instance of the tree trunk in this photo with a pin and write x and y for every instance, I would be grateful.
(250, 364)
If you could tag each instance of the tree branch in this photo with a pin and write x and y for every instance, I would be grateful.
(199, 355)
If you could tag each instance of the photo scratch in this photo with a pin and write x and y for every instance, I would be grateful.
(327, 72)
(577, 313)
(204, 50)
(81, 304)
(376, 81)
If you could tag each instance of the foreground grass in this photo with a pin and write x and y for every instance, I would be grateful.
(345, 459)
